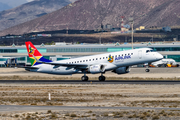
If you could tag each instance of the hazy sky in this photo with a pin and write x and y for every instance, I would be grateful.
(29, 0)
(14, 3)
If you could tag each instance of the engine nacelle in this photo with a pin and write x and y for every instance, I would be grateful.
(122, 70)
(96, 69)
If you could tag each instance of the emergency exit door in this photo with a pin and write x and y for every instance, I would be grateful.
(140, 54)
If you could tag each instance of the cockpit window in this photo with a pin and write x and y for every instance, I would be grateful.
(147, 51)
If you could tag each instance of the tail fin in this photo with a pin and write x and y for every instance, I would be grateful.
(34, 54)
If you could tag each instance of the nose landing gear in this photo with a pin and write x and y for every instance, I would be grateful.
(147, 68)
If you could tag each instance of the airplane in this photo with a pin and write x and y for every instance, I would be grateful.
(117, 62)
(164, 63)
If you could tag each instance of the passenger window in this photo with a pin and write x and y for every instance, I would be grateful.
(86, 60)
(93, 59)
(89, 59)
(77, 61)
(119, 55)
(83, 60)
(116, 56)
(72, 62)
(128, 54)
(80, 61)
(106, 57)
(96, 58)
(125, 54)
(103, 57)
(100, 58)
(131, 53)
(122, 54)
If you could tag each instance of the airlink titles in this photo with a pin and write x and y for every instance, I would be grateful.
(121, 58)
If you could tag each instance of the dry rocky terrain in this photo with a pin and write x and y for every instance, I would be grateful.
(104, 95)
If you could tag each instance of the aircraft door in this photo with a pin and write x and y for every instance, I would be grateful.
(140, 54)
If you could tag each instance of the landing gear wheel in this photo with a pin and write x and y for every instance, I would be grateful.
(84, 78)
(102, 78)
(147, 70)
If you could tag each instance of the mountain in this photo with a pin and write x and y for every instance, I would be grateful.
(30, 11)
(4, 6)
(89, 14)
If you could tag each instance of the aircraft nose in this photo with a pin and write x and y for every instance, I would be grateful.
(159, 56)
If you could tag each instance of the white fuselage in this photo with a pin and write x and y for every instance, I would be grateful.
(120, 59)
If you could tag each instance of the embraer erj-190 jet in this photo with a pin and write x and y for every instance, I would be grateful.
(117, 62)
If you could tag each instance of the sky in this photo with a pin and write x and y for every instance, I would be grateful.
(29, 0)
(14, 3)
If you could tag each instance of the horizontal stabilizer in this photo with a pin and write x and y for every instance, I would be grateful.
(28, 67)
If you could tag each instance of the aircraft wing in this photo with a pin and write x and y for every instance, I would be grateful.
(63, 64)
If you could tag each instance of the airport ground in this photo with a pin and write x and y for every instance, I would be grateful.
(134, 74)
(91, 101)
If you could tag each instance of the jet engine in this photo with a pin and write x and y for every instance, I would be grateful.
(96, 69)
(122, 70)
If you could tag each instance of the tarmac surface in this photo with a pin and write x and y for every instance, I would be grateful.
(167, 82)
(135, 72)
(16, 108)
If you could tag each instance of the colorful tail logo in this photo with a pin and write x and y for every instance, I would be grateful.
(31, 50)
(34, 54)
(110, 59)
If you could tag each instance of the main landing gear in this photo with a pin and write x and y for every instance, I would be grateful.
(102, 78)
(85, 78)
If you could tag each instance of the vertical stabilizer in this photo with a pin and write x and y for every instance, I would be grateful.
(34, 54)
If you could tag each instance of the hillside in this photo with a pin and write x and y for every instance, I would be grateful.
(89, 14)
(30, 11)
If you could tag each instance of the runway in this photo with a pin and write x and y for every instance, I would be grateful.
(166, 82)
(18, 108)
(154, 74)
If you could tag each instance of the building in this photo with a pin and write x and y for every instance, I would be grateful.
(61, 52)
(141, 28)
(166, 29)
